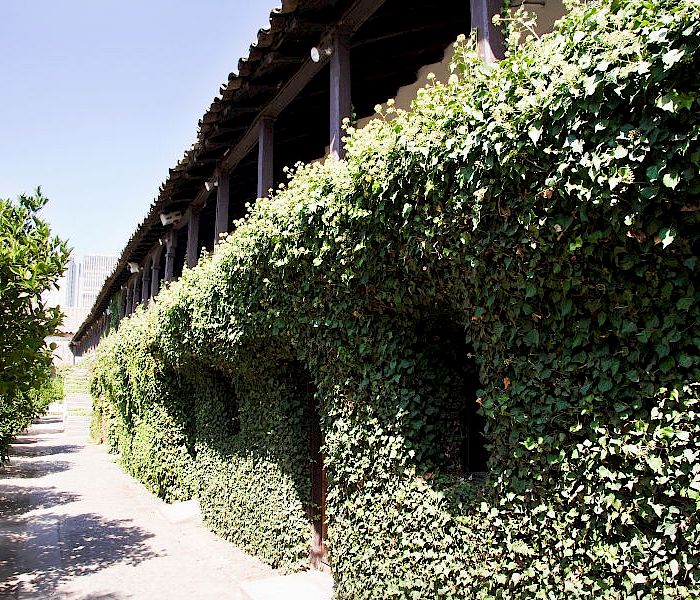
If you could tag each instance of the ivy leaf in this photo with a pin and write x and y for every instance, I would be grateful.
(653, 173)
(532, 338)
(605, 385)
(534, 133)
(685, 303)
(671, 180)
(620, 152)
(667, 235)
(671, 57)
(673, 565)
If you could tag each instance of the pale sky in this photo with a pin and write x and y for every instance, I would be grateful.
(98, 99)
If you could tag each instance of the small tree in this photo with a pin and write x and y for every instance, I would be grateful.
(31, 261)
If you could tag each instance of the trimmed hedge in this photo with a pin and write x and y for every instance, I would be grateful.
(532, 225)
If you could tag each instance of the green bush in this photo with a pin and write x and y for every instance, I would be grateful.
(529, 229)
(51, 391)
(31, 261)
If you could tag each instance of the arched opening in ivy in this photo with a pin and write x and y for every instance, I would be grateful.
(216, 404)
(306, 392)
(450, 429)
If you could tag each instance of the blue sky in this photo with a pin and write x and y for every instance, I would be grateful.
(99, 99)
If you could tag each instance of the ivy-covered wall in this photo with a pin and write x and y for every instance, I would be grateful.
(520, 252)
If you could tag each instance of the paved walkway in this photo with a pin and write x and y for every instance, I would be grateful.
(73, 526)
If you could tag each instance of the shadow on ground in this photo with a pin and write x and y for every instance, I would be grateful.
(46, 420)
(32, 469)
(56, 548)
(98, 596)
(90, 543)
(16, 500)
(24, 449)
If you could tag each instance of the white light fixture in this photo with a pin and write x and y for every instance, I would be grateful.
(133, 267)
(207, 186)
(318, 53)
(171, 217)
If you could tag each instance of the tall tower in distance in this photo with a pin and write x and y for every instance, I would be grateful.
(95, 269)
(72, 278)
(85, 277)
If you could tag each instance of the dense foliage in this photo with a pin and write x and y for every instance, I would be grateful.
(31, 261)
(517, 255)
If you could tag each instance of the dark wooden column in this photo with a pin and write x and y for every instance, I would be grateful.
(155, 270)
(146, 281)
(193, 238)
(170, 247)
(489, 37)
(265, 157)
(137, 293)
(129, 308)
(122, 304)
(222, 202)
(341, 103)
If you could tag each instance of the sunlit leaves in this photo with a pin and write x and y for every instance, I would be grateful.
(31, 261)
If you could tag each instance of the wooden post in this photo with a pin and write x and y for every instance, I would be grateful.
(265, 157)
(137, 293)
(341, 103)
(222, 202)
(193, 238)
(155, 271)
(146, 283)
(122, 304)
(129, 308)
(489, 37)
(170, 246)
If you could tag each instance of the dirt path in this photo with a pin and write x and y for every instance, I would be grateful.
(73, 526)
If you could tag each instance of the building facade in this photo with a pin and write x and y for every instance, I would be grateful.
(85, 277)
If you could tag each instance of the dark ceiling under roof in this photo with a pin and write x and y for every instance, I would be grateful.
(386, 52)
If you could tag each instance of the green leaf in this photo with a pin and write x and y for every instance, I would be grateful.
(534, 133)
(685, 303)
(671, 180)
(667, 236)
(605, 385)
(673, 56)
(532, 338)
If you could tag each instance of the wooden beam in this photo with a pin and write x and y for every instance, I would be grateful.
(222, 202)
(489, 37)
(265, 157)
(193, 237)
(340, 106)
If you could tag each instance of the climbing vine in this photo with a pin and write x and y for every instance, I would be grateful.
(521, 246)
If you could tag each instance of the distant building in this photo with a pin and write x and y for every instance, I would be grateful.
(72, 277)
(85, 277)
(93, 273)
(75, 294)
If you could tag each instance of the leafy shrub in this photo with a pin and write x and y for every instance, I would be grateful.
(31, 261)
(545, 209)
